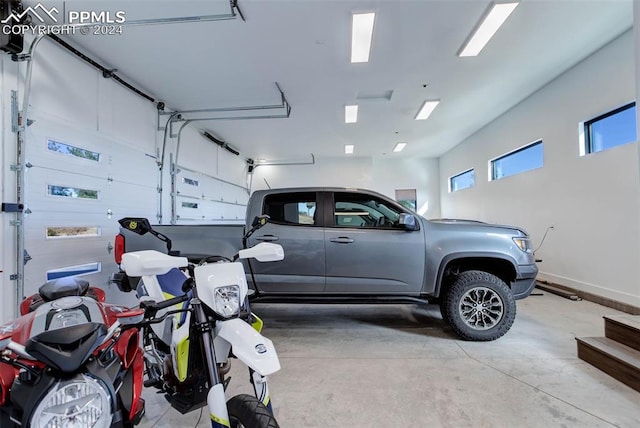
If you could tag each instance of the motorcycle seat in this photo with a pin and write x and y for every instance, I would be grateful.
(63, 287)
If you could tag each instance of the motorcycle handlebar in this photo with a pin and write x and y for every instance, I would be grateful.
(151, 307)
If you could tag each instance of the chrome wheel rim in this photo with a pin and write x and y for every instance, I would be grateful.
(481, 308)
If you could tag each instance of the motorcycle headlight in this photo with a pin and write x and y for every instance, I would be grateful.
(227, 300)
(75, 403)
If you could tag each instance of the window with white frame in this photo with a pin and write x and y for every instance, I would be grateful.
(524, 159)
(464, 180)
(611, 129)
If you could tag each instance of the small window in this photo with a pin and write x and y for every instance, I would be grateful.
(464, 180)
(72, 231)
(72, 192)
(74, 270)
(361, 210)
(407, 198)
(190, 181)
(611, 129)
(521, 160)
(190, 205)
(292, 208)
(56, 146)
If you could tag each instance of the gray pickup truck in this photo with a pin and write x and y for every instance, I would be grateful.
(345, 245)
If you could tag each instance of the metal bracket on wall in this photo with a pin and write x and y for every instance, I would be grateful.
(15, 112)
(267, 111)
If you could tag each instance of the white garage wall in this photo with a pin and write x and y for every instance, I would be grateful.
(341, 172)
(421, 174)
(381, 175)
(593, 201)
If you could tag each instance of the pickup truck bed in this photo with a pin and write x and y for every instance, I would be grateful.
(189, 240)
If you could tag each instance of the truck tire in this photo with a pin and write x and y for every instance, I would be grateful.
(479, 306)
(443, 306)
(249, 412)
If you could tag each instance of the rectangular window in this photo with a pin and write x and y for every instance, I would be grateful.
(56, 146)
(407, 198)
(72, 192)
(72, 231)
(190, 181)
(521, 160)
(189, 205)
(611, 129)
(464, 180)
(74, 271)
(292, 208)
(357, 210)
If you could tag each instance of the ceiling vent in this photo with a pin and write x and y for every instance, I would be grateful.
(374, 95)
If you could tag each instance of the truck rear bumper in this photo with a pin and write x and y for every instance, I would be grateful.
(525, 281)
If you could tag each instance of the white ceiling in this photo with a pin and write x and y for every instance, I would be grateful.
(304, 45)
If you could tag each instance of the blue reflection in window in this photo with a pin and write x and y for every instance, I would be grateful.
(611, 129)
(463, 180)
(525, 159)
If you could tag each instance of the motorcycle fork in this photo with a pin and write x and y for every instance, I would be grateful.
(261, 388)
(216, 400)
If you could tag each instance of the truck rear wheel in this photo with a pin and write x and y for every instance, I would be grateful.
(479, 306)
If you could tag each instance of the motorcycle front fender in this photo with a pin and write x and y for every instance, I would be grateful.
(249, 346)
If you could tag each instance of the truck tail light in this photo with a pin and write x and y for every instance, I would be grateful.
(119, 248)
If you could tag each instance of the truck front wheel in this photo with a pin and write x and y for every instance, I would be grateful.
(479, 306)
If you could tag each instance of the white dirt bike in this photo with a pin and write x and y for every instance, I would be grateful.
(194, 318)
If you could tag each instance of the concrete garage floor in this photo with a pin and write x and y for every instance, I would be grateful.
(401, 366)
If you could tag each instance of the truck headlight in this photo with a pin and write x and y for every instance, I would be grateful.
(524, 244)
(227, 300)
(75, 403)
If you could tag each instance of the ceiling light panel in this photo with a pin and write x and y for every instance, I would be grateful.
(399, 147)
(350, 114)
(348, 149)
(361, 35)
(492, 21)
(426, 109)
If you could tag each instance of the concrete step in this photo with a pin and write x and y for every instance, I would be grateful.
(613, 358)
(624, 329)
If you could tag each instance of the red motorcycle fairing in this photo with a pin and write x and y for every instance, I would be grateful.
(49, 316)
(32, 302)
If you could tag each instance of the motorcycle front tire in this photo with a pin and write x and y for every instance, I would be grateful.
(248, 412)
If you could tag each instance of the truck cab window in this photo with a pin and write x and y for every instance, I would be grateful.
(359, 210)
(292, 208)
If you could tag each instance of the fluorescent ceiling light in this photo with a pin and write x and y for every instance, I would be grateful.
(399, 147)
(492, 21)
(426, 109)
(351, 114)
(361, 34)
(348, 149)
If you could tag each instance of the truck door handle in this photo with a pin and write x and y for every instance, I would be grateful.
(267, 238)
(342, 240)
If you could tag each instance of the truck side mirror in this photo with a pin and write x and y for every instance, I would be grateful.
(137, 225)
(408, 221)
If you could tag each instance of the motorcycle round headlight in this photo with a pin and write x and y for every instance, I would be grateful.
(227, 300)
(78, 402)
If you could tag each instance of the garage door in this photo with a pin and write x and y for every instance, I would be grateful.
(204, 199)
(77, 187)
